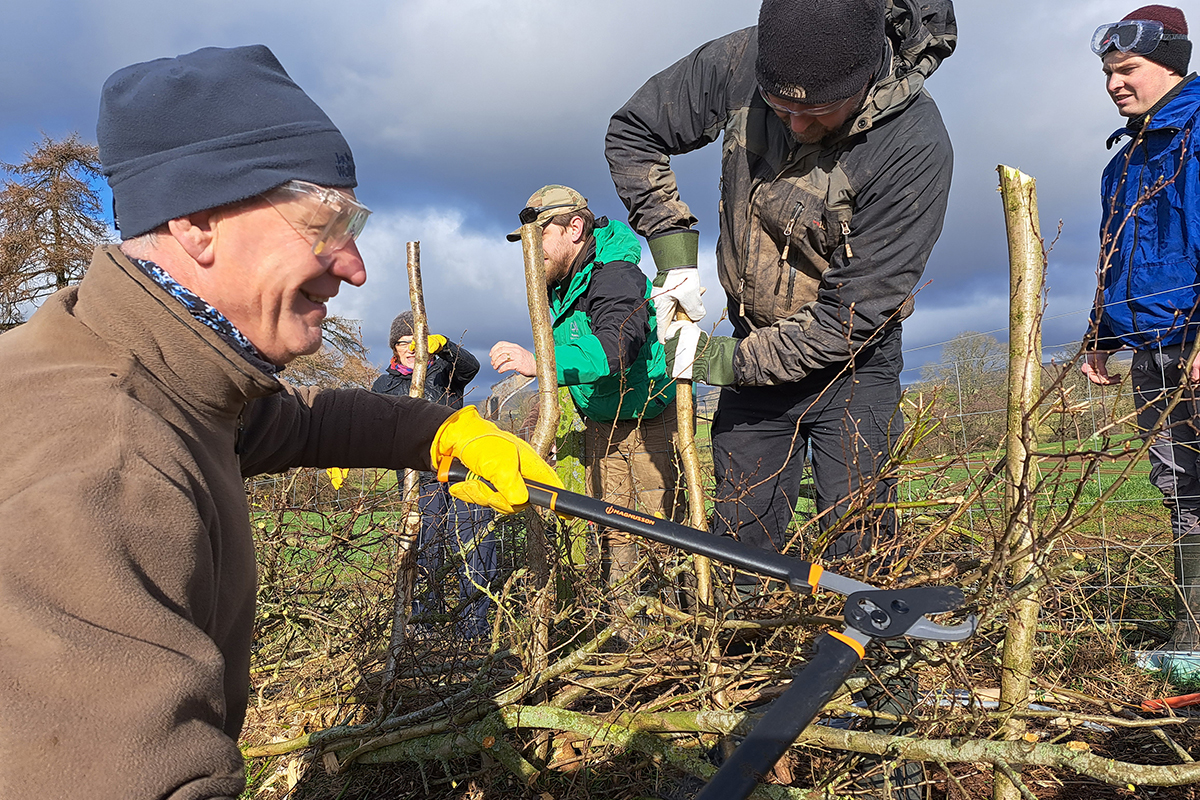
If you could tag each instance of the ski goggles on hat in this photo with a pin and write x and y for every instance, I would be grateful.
(821, 110)
(1137, 36)
(329, 219)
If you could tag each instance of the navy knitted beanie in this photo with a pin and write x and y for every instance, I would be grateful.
(202, 130)
(818, 51)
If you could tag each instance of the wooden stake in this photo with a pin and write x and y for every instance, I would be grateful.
(689, 457)
(541, 559)
(1026, 282)
(406, 560)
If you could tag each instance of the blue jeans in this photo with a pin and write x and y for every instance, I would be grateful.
(459, 531)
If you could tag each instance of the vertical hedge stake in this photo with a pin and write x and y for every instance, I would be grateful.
(1027, 263)
(541, 559)
(689, 456)
(406, 561)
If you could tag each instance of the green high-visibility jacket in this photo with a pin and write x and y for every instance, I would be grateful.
(606, 344)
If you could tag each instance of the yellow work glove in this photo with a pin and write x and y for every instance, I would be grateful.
(494, 455)
(337, 476)
(435, 341)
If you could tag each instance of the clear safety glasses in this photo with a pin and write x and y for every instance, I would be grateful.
(822, 110)
(327, 218)
(1137, 36)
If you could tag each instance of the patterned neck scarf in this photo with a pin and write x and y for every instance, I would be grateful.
(207, 315)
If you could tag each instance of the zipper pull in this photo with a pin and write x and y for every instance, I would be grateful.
(787, 232)
(742, 298)
(846, 238)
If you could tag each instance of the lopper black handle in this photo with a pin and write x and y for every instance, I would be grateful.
(800, 575)
(792, 712)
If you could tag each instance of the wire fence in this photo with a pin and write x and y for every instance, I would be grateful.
(1094, 491)
(1086, 434)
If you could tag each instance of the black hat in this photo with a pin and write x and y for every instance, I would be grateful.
(209, 128)
(818, 51)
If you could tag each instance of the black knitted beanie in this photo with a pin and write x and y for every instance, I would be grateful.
(818, 51)
(402, 326)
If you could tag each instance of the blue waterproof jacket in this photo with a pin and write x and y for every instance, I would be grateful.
(1150, 232)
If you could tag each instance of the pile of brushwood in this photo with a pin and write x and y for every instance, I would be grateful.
(585, 690)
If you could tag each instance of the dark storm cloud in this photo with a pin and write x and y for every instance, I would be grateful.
(458, 110)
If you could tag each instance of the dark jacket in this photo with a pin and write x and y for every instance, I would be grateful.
(1150, 237)
(820, 245)
(127, 568)
(606, 348)
(451, 370)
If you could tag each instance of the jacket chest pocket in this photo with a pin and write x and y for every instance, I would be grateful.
(800, 230)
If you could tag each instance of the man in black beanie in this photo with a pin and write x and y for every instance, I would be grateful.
(835, 177)
(834, 183)
(1149, 301)
(139, 400)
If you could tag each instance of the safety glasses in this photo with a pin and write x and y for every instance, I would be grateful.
(822, 110)
(530, 213)
(1137, 36)
(329, 219)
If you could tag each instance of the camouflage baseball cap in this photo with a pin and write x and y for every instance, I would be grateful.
(547, 203)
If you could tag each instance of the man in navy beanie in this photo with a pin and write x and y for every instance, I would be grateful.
(1149, 247)
(139, 400)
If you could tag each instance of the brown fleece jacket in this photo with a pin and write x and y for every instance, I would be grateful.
(127, 570)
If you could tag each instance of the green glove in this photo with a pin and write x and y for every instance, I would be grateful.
(494, 455)
(692, 353)
(677, 287)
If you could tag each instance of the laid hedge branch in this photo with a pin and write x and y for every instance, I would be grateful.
(650, 734)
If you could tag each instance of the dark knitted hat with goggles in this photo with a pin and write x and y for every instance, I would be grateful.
(1158, 33)
(819, 51)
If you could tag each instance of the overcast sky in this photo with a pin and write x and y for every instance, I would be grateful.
(458, 109)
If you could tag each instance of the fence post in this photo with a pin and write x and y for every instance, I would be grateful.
(406, 560)
(1026, 277)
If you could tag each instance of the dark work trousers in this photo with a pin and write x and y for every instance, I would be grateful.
(850, 420)
(459, 531)
(1158, 376)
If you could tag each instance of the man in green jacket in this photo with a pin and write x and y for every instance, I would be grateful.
(607, 352)
(138, 402)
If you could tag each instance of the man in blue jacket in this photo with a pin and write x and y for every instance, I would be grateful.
(1150, 246)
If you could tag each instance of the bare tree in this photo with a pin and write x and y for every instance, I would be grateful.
(341, 361)
(971, 362)
(50, 221)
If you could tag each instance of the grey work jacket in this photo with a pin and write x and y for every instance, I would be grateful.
(820, 245)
